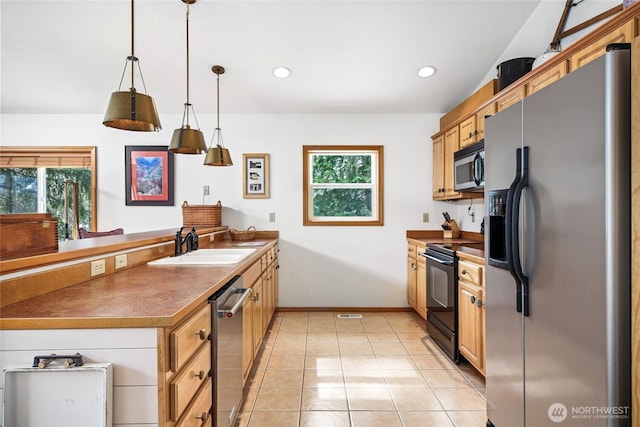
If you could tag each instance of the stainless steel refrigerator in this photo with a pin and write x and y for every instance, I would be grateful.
(558, 278)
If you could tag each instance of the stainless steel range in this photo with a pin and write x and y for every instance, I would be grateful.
(442, 295)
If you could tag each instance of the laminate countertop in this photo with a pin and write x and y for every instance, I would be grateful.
(141, 296)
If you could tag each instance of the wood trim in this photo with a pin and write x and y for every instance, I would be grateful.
(635, 226)
(379, 188)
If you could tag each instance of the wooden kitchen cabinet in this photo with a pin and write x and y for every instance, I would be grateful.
(468, 131)
(546, 78)
(623, 34)
(412, 270)
(416, 278)
(471, 312)
(489, 110)
(421, 287)
(444, 145)
(438, 166)
(511, 97)
(260, 306)
(189, 376)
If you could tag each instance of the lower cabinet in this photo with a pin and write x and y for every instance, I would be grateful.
(417, 278)
(262, 278)
(471, 312)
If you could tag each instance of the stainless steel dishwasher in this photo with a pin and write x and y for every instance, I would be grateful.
(226, 351)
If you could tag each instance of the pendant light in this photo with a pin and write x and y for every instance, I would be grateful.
(132, 110)
(218, 155)
(186, 140)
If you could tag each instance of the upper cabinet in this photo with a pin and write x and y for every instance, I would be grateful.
(464, 124)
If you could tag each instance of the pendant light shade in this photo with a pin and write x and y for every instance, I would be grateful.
(186, 140)
(130, 110)
(218, 155)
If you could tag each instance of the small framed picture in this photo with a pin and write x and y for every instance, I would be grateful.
(255, 176)
(148, 175)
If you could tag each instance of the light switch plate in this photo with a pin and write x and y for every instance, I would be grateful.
(425, 217)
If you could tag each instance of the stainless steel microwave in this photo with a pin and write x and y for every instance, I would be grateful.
(469, 168)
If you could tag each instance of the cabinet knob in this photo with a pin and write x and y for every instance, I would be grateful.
(473, 299)
(203, 417)
(200, 375)
(479, 303)
(413, 266)
(470, 134)
(202, 334)
(464, 271)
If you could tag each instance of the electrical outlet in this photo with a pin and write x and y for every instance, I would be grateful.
(205, 190)
(121, 261)
(97, 267)
(425, 217)
(272, 217)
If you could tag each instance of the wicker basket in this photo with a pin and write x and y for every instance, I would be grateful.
(248, 234)
(202, 215)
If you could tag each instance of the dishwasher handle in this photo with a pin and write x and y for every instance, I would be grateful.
(244, 293)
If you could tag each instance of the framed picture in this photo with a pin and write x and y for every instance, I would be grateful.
(148, 175)
(255, 176)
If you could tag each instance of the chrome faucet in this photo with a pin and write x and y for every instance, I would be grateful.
(191, 239)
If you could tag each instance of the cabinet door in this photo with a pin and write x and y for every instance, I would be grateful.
(623, 34)
(470, 324)
(468, 132)
(546, 78)
(511, 97)
(421, 289)
(257, 299)
(438, 167)
(451, 145)
(489, 110)
(411, 281)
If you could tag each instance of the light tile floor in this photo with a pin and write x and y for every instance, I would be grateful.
(318, 370)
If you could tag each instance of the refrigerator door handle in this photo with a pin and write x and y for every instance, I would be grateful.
(515, 234)
(509, 228)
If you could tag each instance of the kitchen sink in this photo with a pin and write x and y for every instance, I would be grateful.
(207, 257)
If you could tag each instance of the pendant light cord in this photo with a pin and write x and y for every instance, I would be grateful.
(188, 103)
(218, 97)
(133, 57)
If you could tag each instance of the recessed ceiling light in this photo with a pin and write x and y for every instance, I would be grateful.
(281, 72)
(427, 71)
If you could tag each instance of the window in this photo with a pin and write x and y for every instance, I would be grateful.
(342, 185)
(42, 179)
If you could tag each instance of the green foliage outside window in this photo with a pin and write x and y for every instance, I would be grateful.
(340, 173)
(19, 194)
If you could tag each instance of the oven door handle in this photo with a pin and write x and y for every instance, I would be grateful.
(439, 261)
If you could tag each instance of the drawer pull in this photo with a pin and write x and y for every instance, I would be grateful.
(202, 334)
(203, 417)
(200, 375)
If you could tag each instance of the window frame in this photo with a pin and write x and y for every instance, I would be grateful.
(378, 185)
(54, 156)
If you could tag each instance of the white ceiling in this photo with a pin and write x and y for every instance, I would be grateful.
(353, 56)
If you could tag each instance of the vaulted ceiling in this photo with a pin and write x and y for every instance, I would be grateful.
(355, 56)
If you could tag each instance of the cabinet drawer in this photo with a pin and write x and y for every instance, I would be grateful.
(411, 250)
(184, 386)
(470, 273)
(187, 338)
(199, 413)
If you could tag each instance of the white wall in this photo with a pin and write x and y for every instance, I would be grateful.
(320, 266)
